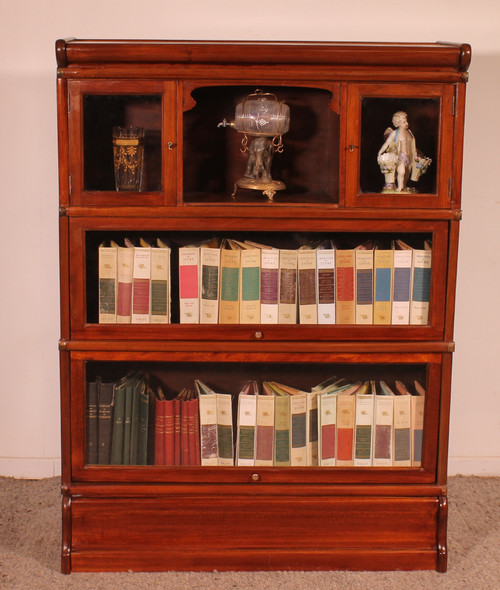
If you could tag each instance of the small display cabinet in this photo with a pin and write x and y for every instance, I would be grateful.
(269, 224)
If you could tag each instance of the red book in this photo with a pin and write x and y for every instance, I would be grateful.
(184, 432)
(159, 432)
(177, 432)
(169, 438)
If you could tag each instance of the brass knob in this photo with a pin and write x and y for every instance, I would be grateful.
(259, 335)
(255, 477)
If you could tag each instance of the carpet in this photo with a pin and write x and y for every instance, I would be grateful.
(30, 550)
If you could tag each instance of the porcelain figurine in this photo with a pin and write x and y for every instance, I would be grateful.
(398, 158)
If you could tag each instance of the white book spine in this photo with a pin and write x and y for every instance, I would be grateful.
(189, 295)
(269, 286)
(325, 261)
(401, 287)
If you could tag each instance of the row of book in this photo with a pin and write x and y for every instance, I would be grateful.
(232, 282)
(134, 282)
(336, 424)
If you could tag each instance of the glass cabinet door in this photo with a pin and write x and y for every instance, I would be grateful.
(399, 146)
(124, 134)
(342, 419)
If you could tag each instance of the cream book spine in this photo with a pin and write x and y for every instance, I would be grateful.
(298, 430)
(269, 285)
(107, 283)
(264, 444)
(287, 306)
(125, 272)
(363, 436)
(325, 264)
(312, 429)
(345, 287)
(225, 448)
(421, 287)
(160, 283)
(208, 429)
(417, 424)
(327, 410)
(189, 290)
(245, 443)
(383, 430)
(401, 287)
(364, 286)
(402, 431)
(382, 299)
(229, 304)
(209, 284)
(141, 284)
(250, 286)
(307, 289)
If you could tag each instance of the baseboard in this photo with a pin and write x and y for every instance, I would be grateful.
(481, 466)
(30, 467)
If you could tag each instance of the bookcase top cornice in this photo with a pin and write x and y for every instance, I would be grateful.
(451, 57)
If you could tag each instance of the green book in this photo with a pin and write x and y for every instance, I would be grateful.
(118, 423)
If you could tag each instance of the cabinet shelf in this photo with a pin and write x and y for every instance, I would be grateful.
(336, 188)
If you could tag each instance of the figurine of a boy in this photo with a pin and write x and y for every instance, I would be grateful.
(398, 158)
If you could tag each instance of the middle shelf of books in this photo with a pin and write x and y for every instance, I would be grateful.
(354, 280)
(256, 416)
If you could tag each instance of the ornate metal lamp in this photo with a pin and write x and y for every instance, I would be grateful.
(265, 119)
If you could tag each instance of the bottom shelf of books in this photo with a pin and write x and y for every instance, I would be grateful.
(357, 416)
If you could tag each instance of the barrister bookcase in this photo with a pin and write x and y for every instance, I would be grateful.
(148, 516)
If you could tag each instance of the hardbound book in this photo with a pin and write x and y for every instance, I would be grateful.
(208, 424)
(160, 445)
(383, 427)
(281, 425)
(364, 284)
(417, 423)
(307, 291)
(125, 271)
(146, 407)
(92, 435)
(363, 445)
(402, 429)
(225, 448)
(138, 393)
(264, 444)
(250, 285)
(269, 285)
(160, 283)
(141, 284)
(118, 422)
(401, 291)
(417, 403)
(421, 286)
(184, 414)
(287, 306)
(346, 417)
(345, 287)
(382, 299)
(325, 265)
(210, 277)
(298, 429)
(298, 423)
(246, 424)
(327, 409)
(104, 421)
(107, 282)
(189, 289)
(312, 429)
(229, 305)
